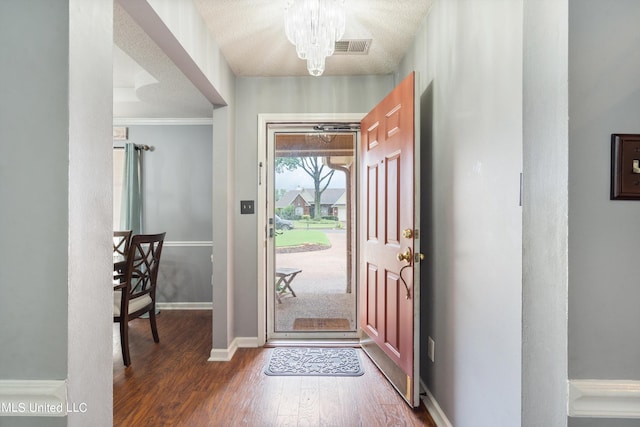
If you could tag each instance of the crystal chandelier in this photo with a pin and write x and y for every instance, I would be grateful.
(314, 26)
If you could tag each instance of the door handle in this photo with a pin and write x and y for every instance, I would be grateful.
(406, 256)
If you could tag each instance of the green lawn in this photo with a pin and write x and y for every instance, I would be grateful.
(298, 237)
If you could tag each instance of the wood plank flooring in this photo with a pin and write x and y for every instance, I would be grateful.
(172, 384)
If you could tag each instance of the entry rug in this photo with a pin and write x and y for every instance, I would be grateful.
(313, 361)
(320, 324)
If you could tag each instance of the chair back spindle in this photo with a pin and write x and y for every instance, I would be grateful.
(121, 242)
(143, 261)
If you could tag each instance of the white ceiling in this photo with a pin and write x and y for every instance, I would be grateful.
(250, 34)
(146, 84)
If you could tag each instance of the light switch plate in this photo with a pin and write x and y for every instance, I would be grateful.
(246, 207)
(625, 162)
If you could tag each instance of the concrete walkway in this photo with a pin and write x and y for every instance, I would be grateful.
(323, 271)
(320, 287)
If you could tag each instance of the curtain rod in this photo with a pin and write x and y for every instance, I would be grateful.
(143, 147)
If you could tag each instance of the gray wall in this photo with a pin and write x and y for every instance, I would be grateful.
(356, 94)
(200, 59)
(604, 291)
(469, 59)
(34, 191)
(604, 95)
(55, 179)
(224, 242)
(177, 199)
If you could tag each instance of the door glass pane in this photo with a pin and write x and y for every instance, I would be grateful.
(314, 215)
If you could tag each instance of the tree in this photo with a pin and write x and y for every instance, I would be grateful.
(314, 167)
(279, 193)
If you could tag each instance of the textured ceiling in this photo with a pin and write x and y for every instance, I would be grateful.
(146, 84)
(250, 34)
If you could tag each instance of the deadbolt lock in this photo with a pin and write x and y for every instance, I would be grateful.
(407, 233)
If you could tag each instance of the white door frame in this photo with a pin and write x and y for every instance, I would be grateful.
(264, 120)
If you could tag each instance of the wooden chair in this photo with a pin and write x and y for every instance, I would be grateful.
(121, 242)
(135, 295)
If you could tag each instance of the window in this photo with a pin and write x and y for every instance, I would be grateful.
(118, 169)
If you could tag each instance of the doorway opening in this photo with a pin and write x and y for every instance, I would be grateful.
(310, 285)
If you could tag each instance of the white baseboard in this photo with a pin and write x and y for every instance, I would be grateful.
(184, 306)
(226, 354)
(436, 412)
(604, 398)
(33, 398)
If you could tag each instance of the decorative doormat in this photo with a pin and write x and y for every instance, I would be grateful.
(321, 324)
(313, 361)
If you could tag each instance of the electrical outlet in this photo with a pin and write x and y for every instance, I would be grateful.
(431, 349)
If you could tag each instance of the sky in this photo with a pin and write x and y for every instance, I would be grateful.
(289, 180)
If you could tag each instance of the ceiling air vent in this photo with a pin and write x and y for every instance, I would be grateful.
(352, 47)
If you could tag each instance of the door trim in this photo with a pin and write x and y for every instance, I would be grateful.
(264, 120)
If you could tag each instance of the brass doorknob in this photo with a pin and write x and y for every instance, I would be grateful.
(406, 256)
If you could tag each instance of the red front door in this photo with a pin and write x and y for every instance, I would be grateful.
(389, 297)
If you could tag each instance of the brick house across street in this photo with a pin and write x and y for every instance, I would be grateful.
(332, 202)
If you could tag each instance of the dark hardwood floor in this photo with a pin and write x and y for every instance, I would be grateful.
(172, 384)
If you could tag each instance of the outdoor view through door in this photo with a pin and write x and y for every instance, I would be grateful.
(314, 212)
